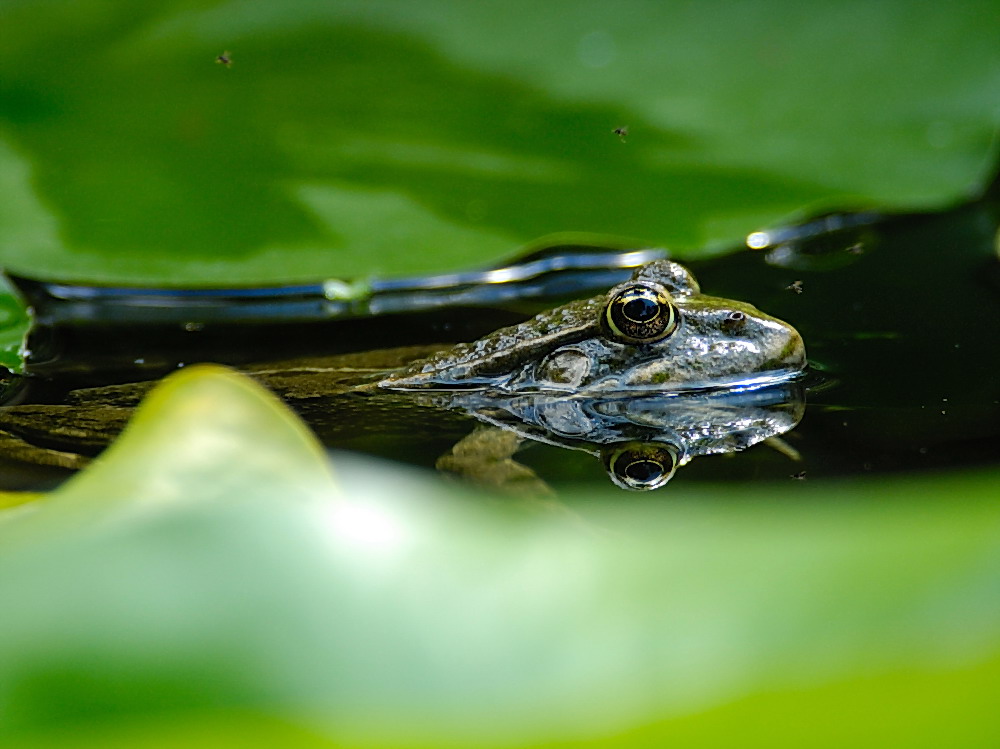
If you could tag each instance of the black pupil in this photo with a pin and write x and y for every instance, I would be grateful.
(644, 471)
(640, 309)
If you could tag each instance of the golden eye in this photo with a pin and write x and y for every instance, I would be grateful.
(640, 314)
(641, 466)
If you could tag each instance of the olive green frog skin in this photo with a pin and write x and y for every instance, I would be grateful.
(656, 331)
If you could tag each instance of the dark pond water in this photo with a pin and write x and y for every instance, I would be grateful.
(900, 315)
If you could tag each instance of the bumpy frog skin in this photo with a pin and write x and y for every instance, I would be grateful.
(716, 343)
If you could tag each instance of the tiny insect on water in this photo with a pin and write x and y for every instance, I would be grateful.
(621, 132)
(224, 59)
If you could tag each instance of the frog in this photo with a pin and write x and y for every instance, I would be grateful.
(656, 332)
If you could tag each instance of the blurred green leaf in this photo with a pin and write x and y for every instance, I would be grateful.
(14, 322)
(206, 569)
(177, 443)
(361, 137)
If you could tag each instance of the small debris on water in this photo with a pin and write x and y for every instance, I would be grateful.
(224, 59)
(795, 286)
(621, 132)
(800, 476)
(194, 327)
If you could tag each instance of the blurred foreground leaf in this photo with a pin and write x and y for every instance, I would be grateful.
(363, 137)
(205, 585)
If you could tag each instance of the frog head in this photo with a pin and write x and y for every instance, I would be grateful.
(656, 331)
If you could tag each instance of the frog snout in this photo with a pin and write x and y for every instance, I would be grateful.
(790, 349)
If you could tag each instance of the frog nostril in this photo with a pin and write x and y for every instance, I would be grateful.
(734, 321)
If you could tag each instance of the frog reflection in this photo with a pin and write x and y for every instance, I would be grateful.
(641, 439)
(652, 336)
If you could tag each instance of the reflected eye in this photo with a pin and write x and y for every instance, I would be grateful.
(640, 314)
(641, 466)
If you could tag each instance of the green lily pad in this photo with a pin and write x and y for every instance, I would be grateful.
(356, 138)
(196, 420)
(205, 583)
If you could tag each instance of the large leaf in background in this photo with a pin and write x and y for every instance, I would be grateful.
(357, 137)
(206, 585)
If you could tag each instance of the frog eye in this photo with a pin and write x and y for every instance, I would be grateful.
(640, 313)
(641, 466)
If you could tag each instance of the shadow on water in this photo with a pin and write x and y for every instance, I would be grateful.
(900, 315)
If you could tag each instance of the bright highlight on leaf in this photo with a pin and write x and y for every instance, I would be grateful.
(197, 421)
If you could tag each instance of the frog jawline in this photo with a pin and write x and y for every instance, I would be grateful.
(734, 383)
(605, 386)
